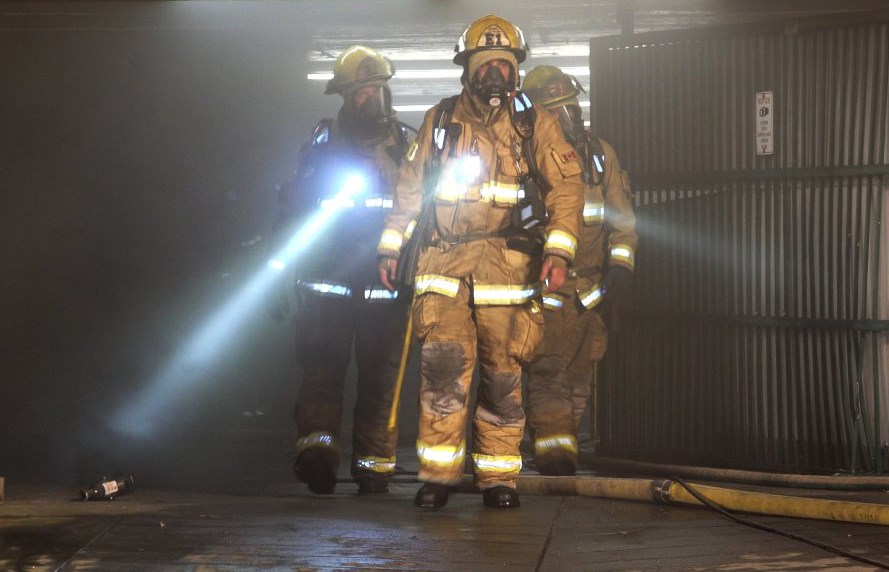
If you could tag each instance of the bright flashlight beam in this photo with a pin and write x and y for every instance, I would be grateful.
(192, 363)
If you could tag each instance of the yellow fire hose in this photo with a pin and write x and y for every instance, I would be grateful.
(402, 366)
(851, 482)
(672, 492)
(668, 491)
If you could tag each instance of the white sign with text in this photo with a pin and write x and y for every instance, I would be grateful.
(765, 132)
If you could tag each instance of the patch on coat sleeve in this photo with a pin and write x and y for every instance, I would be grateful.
(566, 158)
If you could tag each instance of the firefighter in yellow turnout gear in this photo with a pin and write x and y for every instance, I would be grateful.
(347, 172)
(477, 300)
(561, 375)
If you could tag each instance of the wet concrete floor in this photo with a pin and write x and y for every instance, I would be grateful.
(279, 525)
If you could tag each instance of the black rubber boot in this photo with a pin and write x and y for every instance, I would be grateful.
(372, 485)
(432, 495)
(312, 468)
(501, 497)
(560, 468)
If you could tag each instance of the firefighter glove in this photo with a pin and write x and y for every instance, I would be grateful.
(618, 281)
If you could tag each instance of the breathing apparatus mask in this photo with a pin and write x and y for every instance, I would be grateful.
(570, 119)
(492, 87)
(374, 110)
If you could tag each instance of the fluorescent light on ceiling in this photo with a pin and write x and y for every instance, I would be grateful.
(408, 54)
(429, 74)
(424, 106)
(396, 55)
(561, 51)
(405, 108)
(440, 73)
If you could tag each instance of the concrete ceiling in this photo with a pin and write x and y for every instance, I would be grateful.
(415, 34)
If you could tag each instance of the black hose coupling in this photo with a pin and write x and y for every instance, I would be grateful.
(660, 490)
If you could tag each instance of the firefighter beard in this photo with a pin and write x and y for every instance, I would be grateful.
(456, 334)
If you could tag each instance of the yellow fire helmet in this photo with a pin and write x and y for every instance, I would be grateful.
(358, 66)
(490, 33)
(549, 86)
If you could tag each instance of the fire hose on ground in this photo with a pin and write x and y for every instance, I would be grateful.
(673, 491)
(726, 501)
(723, 500)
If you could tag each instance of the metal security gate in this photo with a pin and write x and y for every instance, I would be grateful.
(758, 335)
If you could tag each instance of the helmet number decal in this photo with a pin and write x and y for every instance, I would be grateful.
(494, 37)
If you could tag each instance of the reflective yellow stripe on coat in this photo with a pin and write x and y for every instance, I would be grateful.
(554, 301)
(591, 297)
(593, 213)
(623, 253)
(558, 240)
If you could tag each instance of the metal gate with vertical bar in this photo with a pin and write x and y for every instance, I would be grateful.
(758, 333)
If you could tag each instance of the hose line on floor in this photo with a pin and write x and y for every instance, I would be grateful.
(721, 499)
(669, 491)
(759, 526)
(821, 482)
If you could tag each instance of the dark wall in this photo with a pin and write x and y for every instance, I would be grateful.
(140, 145)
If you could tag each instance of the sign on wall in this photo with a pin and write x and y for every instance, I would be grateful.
(765, 133)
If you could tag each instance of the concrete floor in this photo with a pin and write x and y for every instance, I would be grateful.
(261, 519)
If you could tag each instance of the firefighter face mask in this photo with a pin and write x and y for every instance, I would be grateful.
(369, 108)
(492, 82)
(570, 119)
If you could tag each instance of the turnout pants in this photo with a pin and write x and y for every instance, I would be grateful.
(327, 330)
(561, 378)
(456, 335)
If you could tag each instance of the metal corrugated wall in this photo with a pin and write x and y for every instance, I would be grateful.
(755, 334)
